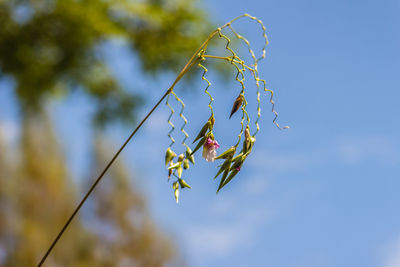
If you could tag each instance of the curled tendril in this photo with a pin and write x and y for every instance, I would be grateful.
(169, 120)
(183, 118)
(232, 164)
(272, 103)
(233, 158)
(235, 60)
(264, 33)
(203, 77)
(254, 71)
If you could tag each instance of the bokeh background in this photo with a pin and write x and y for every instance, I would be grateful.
(76, 75)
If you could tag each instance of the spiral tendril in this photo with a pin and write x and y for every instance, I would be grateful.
(182, 129)
(203, 77)
(169, 120)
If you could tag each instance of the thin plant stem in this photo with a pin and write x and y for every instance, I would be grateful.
(185, 69)
(192, 61)
(98, 180)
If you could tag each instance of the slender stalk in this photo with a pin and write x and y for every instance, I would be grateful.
(99, 178)
(192, 61)
(185, 69)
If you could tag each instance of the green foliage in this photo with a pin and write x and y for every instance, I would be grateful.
(205, 137)
(50, 46)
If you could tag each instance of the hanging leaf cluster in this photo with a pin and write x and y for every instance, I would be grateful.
(234, 157)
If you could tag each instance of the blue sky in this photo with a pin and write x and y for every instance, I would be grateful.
(323, 193)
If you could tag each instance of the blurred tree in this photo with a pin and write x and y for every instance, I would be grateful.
(36, 197)
(132, 238)
(49, 46)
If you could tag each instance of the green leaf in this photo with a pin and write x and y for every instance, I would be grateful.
(227, 154)
(221, 184)
(200, 144)
(224, 166)
(238, 162)
(202, 132)
(238, 156)
(230, 177)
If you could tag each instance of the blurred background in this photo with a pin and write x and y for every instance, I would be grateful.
(76, 76)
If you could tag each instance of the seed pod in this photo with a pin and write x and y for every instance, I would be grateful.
(186, 164)
(170, 170)
(169, 155)
(246, 142)
(181, 157)
(174, 166)
(189, 155)
(237, 104)
(183, 184)
(179, 170)
(212, 122)
(175, 186)
(252, 141)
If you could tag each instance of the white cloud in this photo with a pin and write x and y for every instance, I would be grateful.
(215, 240)
(226, 237)
(255, 185)
(348, 150)
(352, 150)
(283, 161)
(392, 255)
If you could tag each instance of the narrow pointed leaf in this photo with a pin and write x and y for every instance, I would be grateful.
(202, 132)
(238, 162)
(224, 166)
(221, 184)
(202, 141)
(227, 154)
(230, 177)
(238, 156)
